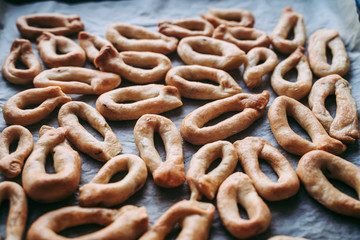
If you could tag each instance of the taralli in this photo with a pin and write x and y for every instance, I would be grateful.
(47, 99)
(71, 54)
(319, 41)
(33, 25)
(289, 21)
(239, 189)
(127, 37)
(21, 51)
(208, 184)
(231, 17)
(44, 187)
(92, 44)
(68, 117)
(345, 126)
(186, 28)
(127, 223)
(249, 151)
(315, 166)
(292, 142)
(100, 191)
(196, 218)
(77, 80)
(210, 52)
(251, 107)
(11, 163)
(137, 67)
(253, 71)
(151, 98)
(283, 237)
(170, 173)
(302, 86)
(184, 79)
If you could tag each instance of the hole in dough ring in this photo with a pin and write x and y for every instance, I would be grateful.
(91, 44)
(231, 17)
(187, 27)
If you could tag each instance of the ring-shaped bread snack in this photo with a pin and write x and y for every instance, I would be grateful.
(195, 218)
(33, 25)
(231, 17)
(126, 223)
(238, 189)
(253, 71)
(71, 54)
(302, 86)
(284, 106)
(21, 51)
(91, 44)
(151, 98)
(127, 37)
(184, 79)
(289, 21)
(11, 163)
(171, 172)
(100, 191)
(68, 118)
(283, 237)
(250, 108)
(249, 151)
(136, 67)
(204, 183)
(210, 52)
(319, 41)
(186, 28)
(315, 166)
(78, 80)
(44, 187)
(46, 99)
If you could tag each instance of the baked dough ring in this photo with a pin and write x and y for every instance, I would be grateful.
(41, 186)
(68, 118)
(186, 28)
(252, 107)
(238, 189)
(137, 67)
(208, 184)
(100, 191)
(21, 51)
(71, 53)
(170, 173)
(231, 17)
(126, 223)
(288, 139)
(47, 100)
(313, 168)
(182, 78)
(302, 86)
(11, 164)
(249, 151)
(319, 41)
(151, 98)
(210, 52)
(91, 44)
(77, 80)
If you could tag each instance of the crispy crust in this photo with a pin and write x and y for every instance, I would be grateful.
(231, 17)
(91, 44)
(186, 28)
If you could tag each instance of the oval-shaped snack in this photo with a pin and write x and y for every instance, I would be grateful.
(127, 223)
(91, 44)
(78, 80)
(302, 86)
(249, 151)
(186, 28)
(100, 191)
(319, 41)
(231, 17)
(345, 125)
(184, 79)
(21, 51)
(127, 37)
(251, 107)
(49, 45)
(151, 98)
(208, 184)
(210, 52)
(47, 99)
(170, 173)
(315, 166)
(238, 189)
(284, 106)
(137, 67)
(68, 118)
(283, 237)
